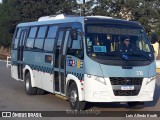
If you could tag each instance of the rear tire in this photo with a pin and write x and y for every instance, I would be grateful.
(73, 96)
(28, 86)
(136, 105)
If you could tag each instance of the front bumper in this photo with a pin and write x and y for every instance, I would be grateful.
(96, 91)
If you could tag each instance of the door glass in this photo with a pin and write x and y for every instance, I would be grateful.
(15, 45)
(63, 53)
(60, 37)
(58, 62)
(63, 62)
(65, 42)
(23, 36)
(57, 54)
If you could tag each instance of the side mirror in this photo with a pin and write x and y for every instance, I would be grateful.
(74, 35)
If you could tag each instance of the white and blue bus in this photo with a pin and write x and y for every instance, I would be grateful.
(85, 59)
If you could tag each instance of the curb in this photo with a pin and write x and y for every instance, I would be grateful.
(3, 60)
(158, 70)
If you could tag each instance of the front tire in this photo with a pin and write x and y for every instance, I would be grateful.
(28, 86)
(75, 104)
(136, 105)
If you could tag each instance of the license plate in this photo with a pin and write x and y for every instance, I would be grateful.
(127, 87)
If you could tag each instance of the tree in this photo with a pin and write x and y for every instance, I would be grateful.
(31, 10)
(147, 12)
(7, 17)
(13, 12)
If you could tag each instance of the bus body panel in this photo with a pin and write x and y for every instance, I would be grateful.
(75, 71)
(14, 71)
(152, 69)
(80, 85)
(52, 22)
(42, 71)
(96, 91)
(28, 68)
(103, 70)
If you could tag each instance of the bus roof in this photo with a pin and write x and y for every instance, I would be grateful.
(87, 19)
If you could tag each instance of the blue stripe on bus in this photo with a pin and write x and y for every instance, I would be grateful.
(80, 76)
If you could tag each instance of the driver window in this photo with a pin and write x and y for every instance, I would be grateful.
(75, 46)
(142, 44)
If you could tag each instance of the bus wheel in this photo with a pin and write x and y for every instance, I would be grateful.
(74, 98)
(28, 87)
(136, 105)
(39, 91)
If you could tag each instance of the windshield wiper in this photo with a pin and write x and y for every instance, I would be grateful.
(139, 53)
(119, 55)
(124, 56)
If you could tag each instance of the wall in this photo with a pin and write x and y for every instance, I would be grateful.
(4, 52)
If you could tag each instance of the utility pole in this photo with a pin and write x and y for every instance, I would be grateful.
(84, 7)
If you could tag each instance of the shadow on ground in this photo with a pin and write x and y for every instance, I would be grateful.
(105, 105)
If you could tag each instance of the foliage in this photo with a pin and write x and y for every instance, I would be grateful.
(147, 12)
(13, 12)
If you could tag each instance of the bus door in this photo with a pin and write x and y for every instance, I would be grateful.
(20, 48)
(60, 59)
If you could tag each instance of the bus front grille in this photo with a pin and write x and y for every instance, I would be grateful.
(125, 92)
(125, 81)
(117, 82)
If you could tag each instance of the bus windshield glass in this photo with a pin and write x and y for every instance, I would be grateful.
(109, 42)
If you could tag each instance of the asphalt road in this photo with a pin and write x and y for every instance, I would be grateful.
(14, 98)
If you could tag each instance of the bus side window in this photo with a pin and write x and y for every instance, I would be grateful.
(30, 39)
(40, 37)
(49, 41)
(15, 44)
(75, 47)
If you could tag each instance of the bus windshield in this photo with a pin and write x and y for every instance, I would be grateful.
(117, 43)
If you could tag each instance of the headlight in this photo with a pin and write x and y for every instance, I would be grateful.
(151, 79)
(97, 78)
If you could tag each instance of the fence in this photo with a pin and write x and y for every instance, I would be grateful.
(8, 61)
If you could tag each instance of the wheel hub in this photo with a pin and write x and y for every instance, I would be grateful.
(73, 96)
(27, 85)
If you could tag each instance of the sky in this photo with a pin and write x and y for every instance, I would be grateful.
(0, 1)
(81, 1)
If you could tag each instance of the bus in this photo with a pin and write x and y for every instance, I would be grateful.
(85, 59)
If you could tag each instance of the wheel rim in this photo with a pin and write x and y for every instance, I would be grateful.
(73, 96)
(27, 85)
